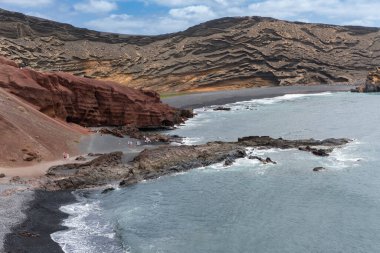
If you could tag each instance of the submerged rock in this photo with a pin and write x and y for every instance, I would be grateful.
(107, 190)
(316, 169)
(262, 160)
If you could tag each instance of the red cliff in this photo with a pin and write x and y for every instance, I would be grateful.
(86, 101)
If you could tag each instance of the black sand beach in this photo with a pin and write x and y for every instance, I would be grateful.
(43, 214)
(43, 219)
(197, 100)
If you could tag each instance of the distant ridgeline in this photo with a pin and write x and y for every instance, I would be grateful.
(219, 54)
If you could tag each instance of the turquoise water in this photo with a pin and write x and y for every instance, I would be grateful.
(250, 207)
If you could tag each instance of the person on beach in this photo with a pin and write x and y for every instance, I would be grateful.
(66, 156)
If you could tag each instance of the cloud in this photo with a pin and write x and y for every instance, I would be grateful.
(332, 11)
(174, 3)
(96, 6)
(38, 14)
(27, 3)
(126, 24)
(195, 13)
(164, 16)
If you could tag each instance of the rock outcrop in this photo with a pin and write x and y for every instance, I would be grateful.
(153, 163)
(85, 101)
(219, 54)
(372, 83)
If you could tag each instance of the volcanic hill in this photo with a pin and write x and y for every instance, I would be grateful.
(219, 54)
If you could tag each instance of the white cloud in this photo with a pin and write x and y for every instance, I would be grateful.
(195, 13)
(38, 14)
(27, 3)
(127, 24)
(332, 11)
(96, 6)
(177, 15)
(185, 3)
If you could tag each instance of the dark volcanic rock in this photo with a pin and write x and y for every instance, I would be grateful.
(107, 190)
(262, 160)
(86, 101)
(316, 169)
(220, 108)
(163, 160)
(224, 53)
(99, 171)
(2, 175)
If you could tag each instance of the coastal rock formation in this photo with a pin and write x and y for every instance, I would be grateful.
(220, 54)
(372, 83)
(153, 163)
(85, 101)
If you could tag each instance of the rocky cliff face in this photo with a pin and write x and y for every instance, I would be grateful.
(224, 53)
(85, 101)
(372, 83)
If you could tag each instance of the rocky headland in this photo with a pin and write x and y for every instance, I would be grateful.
(164, 160)
(226, 53)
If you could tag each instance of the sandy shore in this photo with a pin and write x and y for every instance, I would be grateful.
(198, 100)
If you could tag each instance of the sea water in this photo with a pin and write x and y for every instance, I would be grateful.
(251, 207)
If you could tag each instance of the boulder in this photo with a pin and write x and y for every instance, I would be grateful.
(30, 156)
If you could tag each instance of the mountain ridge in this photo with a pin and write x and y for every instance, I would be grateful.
(226, 53)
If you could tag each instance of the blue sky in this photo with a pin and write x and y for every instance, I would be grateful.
(164, 16)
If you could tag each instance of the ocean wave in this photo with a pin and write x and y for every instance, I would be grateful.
(87, 230)
(345, 157)
(286, 97)
(191, 140)
(253, 103)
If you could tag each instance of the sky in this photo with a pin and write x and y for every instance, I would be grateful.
(150, 17)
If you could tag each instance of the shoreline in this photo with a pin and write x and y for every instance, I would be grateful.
(43, 216)
(197, 100)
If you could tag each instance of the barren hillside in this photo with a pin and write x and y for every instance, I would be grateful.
(224, 53)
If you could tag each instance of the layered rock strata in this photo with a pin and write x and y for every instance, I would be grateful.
(220, 54)
(85, 101)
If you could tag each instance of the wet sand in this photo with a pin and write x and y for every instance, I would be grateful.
(198, 100)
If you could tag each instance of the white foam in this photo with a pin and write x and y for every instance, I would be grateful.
(287, 97)
(86, 234)
(251, 104)
(191, 140)
(345, 157)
